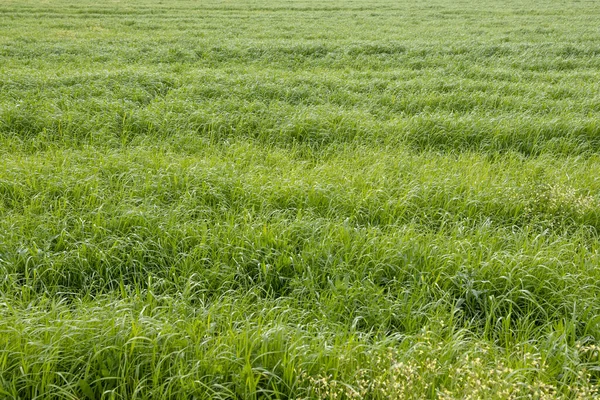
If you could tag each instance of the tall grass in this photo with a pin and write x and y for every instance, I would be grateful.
(299, 200)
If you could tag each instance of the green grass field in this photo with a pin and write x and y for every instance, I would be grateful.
(299, 200)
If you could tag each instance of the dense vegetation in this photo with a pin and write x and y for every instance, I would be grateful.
(285, 199)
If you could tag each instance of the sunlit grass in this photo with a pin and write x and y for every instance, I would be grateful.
(299, 200)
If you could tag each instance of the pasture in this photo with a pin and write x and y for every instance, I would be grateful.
(299, 199)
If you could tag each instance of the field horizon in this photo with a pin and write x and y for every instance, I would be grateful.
(299, 200)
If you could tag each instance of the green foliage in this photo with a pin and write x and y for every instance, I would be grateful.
(299, 200)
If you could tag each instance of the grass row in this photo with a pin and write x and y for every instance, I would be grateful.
(284, 109)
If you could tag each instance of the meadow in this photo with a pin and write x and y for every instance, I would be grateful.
(280, 199)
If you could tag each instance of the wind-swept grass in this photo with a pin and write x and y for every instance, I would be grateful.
(299, 200)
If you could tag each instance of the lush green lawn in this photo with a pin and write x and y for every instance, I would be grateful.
(299, 199)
